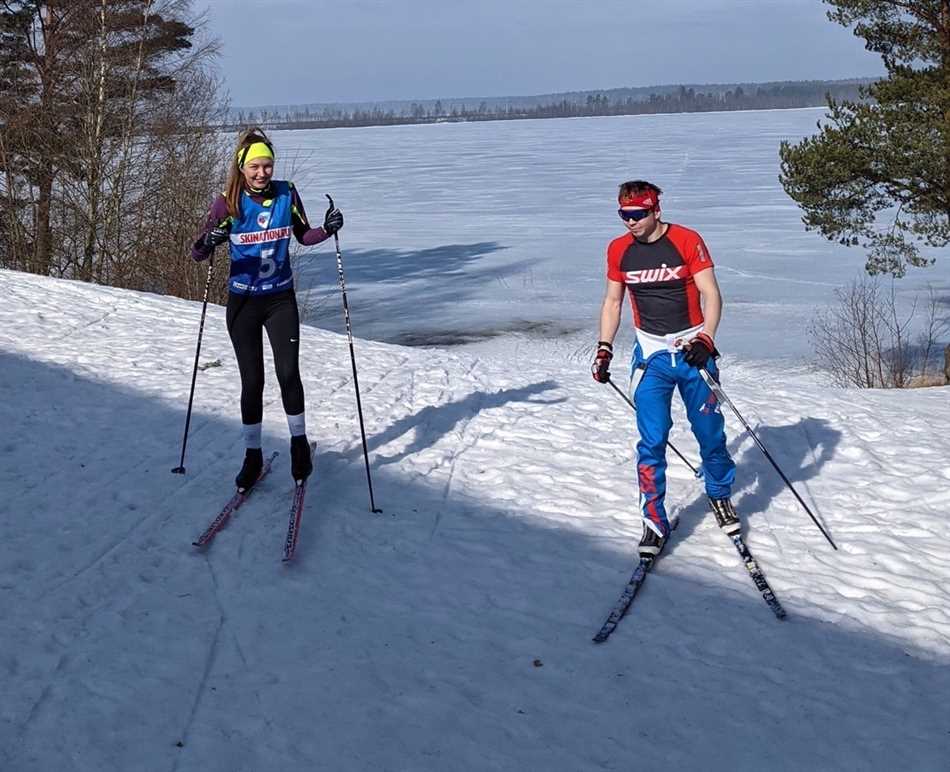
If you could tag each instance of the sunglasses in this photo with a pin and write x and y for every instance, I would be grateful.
(634, 214)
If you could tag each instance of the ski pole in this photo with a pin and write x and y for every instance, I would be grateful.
(180, 469)
(669, 444)
(356, 383)
(722, 397)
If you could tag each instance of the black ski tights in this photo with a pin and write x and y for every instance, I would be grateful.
(247, 316)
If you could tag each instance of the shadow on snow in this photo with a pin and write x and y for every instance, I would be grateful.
(800, 450)
(390, 643)
(433, 422)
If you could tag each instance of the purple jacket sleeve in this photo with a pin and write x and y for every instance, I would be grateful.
(216, 214)
(302, 231)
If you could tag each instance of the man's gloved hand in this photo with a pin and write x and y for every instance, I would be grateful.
(332, 220)
(217, 236)
(701, 348)
(600, 369)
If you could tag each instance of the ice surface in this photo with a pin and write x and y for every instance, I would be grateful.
(459, 231)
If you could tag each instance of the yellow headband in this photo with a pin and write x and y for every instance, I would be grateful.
(254, 150)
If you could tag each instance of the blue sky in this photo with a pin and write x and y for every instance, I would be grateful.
(297, 51)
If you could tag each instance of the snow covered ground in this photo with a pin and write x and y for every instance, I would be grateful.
(452, 631)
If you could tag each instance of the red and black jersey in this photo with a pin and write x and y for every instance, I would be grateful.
(659, 278)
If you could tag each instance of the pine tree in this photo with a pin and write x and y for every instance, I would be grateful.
(877, 174)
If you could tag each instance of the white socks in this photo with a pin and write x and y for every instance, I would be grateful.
(252, 432)
(252, 435)
(297, 424)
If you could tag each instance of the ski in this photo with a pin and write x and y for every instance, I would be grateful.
(293, 527)
(232, 506)
(626, 598)
(728, 522)
(757, 576)
(296, 514)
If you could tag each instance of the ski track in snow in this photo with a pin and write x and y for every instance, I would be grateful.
(407, 640)
(724, 268)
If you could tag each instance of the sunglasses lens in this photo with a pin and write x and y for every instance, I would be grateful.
(634, 214)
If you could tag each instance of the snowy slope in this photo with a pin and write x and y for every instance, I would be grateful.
(452, 632)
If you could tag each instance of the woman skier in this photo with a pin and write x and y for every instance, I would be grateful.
(256, 215)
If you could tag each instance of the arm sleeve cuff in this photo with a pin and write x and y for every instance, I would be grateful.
(313, 236)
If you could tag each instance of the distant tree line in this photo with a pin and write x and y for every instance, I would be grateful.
(107, 153)
(676, 100)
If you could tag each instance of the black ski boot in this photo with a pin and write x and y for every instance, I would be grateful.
(726, 517)
(650, 543)
(301, 464)
(253, 464)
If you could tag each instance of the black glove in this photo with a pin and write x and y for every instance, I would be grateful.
(701, 348)
(332, 220)
(600, 369)
(216, 237)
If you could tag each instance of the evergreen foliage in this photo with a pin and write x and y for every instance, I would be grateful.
(877, 174)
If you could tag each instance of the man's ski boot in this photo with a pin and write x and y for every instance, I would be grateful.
(253, 464)
(650, 544)
(301, 465)
(726, 517)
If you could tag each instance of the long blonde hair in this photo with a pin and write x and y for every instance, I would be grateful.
(235, 184)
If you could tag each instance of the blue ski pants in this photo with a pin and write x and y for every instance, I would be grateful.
(653, 383)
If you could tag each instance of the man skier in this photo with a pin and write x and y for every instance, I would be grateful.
(670, 279)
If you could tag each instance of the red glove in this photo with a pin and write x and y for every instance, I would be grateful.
(600, 369)
(701, 348)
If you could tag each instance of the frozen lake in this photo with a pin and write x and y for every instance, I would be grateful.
(461, 231)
